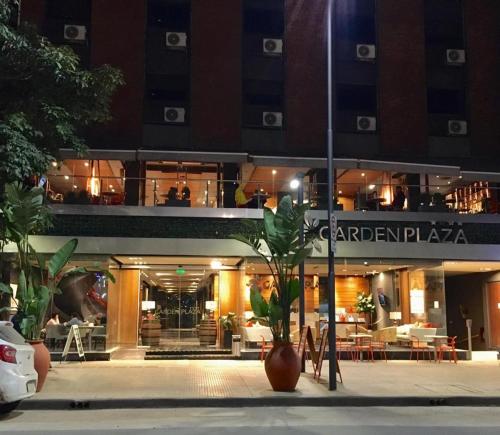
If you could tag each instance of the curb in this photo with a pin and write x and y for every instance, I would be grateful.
(254, 402)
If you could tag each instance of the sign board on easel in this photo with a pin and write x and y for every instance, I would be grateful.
(321, 356)
(74, 334)
(306, 337)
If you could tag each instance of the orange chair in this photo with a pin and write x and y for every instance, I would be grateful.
(449, 347)
(265, 346)
(380, 347)
(363, 344)
(418, 347)
(344, 346)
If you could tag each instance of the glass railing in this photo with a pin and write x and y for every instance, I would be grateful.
(479, 197)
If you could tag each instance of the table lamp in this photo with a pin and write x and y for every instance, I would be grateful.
(395, 316)
(148, 305)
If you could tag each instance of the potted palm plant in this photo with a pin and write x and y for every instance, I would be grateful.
(229, 326)
(278, 244)
(23, 214)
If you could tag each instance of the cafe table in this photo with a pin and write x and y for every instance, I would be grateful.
(90, 329)
(437, 340)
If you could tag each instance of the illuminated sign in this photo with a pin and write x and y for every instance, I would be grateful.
(398, 234)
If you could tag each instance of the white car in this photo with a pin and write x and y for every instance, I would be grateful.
(18, 377)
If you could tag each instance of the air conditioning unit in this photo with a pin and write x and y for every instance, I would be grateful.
(272, 119)
(457, 127)
(75, 33)
(174, 115)
(176, 40)
(366, 52)
(272, 47)
(366, 123)
(455, 57)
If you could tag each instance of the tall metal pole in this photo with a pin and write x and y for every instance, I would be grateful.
(332, 333)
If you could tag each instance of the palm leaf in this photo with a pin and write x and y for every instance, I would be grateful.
(61, 257)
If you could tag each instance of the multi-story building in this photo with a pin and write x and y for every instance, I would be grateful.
(223, 93)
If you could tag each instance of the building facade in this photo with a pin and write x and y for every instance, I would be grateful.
(223, 94)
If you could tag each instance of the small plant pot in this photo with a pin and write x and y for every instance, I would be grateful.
(282, 367)
(42, 362)
(228, 339)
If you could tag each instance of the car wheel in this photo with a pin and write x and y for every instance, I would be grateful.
(5, 408)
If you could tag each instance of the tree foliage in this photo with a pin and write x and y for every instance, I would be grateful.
(47, 99)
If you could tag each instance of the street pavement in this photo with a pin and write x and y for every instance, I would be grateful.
(183, 379)
(255, 421)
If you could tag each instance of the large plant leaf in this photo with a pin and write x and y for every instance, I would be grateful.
(4, 288)
(61, 257)
(275, 311)
(293, 290)
(22, 288)
(259, 305)
(300, 256)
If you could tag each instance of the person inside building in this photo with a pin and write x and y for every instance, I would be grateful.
(399, 199)
(54, 320)
(172, 193)
(239, 197)
(75, 320)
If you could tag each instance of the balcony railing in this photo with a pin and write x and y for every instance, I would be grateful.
(478, 197)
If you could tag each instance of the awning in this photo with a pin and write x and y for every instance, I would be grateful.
(480, 176)
(94, 154)
(192, 156)
(301, 162)
(379, 165)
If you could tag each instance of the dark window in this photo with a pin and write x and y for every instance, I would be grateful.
(262, 87)
(445, 101)
(68, 9)
(355, 20)
(444, 23)
(356, 98)
(174, 15)
(264, 22)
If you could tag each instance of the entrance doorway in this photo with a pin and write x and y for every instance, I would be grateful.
(181, 300)
(181, 307)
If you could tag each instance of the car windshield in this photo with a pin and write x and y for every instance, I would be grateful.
(9, 334)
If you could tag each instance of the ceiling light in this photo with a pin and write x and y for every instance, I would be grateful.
(274, 171)
(86, 164)
(365, 263)
(110, 186)
(340, 192)
(371, 186)
(215, 264)
(363, 174)
(294, 184)
(66, 177)
(54, 164)
(75, 186)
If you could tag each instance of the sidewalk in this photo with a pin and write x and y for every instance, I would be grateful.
(205, 383)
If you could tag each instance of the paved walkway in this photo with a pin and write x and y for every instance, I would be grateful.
(246, 379)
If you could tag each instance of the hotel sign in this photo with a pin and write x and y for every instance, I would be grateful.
(397, 233)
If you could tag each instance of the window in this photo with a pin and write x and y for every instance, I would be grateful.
(445, 101)
(356, 98)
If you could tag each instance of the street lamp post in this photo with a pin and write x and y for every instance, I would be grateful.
(332, 333)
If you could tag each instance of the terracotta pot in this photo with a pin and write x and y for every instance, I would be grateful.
(283, 367)
(42, 362)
